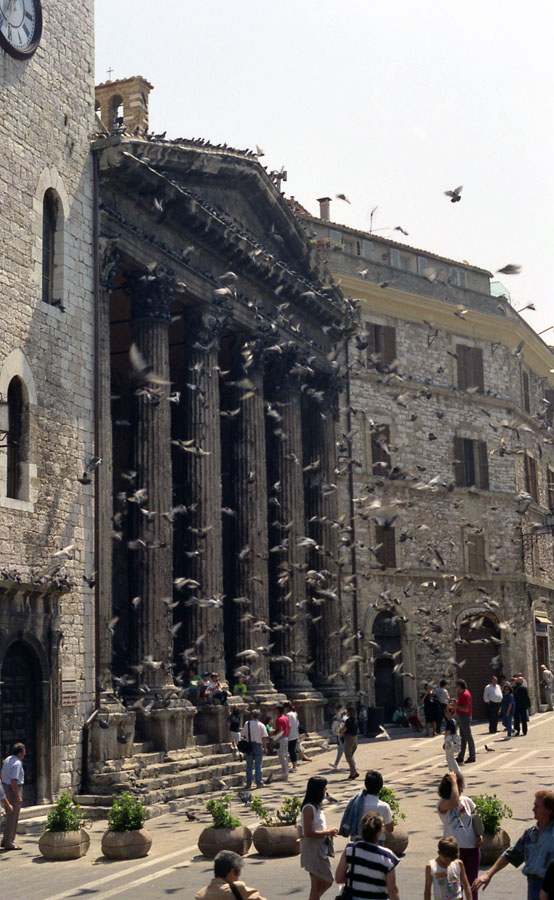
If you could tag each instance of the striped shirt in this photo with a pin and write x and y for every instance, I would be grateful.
(367, 877)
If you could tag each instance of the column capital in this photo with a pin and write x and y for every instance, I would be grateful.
(110, 258)
(151, 292)
(205, 327)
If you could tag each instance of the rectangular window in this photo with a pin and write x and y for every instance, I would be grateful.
(380, 450)
(550, 479)
(470, 368)
(471, 463)
(367, 249)
(336, 236)
(475, 544)
(457, 277)
(381, 342)
(531, 482)
(422, 265)
(385, 552)
(549, 397)
(394, 255)
(525, 391)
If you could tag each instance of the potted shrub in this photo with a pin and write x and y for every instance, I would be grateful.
(126, 838)
(277, 833)
(65, 836)
(226, 833)
(396, 840)
(495, 839)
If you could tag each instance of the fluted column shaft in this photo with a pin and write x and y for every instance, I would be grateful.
(203, 560)
(150, 313)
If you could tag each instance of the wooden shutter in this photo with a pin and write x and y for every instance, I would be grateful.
(550, 476)
(389, 345)
(475, 553)
(459, 468)
(462, 353)
(477, 376)
(525, 391)
(531, 477)
(483, 465)
(386, 554)
(549, 395)
(380, 453)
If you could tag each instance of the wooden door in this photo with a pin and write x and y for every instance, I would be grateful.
(19, 711)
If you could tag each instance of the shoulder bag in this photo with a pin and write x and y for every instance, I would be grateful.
(347, 892)
(234, 890)
(246, 746)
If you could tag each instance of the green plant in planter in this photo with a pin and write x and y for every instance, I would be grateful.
(492, 811)
(126, 814)
(389, 796)
(220, 810)
(66, 816)
(286, 815)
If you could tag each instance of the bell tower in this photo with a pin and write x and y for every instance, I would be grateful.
(124, 102)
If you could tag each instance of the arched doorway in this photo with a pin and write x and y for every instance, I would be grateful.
(388, 686)
(479, 647)
(21, 710)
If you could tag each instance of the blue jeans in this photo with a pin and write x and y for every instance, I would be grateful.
(254, 759)
(534, 888)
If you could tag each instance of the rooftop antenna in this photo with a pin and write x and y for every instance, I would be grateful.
(372, 213)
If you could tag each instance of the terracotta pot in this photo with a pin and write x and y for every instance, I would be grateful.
(64, 844)
(397, 840)
(277, 840)
(493, 846)
(212, 840)
(126, 844)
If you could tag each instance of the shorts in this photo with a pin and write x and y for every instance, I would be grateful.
(235, 736)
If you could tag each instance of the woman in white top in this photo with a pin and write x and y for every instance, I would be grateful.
(317, 839)
(455, 810)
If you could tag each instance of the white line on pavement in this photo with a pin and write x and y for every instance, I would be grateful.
(113, 892)
(517, 759)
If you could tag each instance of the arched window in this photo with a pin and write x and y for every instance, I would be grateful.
(17, 439)
(49, 227)
(116, 114)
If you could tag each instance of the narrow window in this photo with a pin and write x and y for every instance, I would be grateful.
(471, 463)
(550, 476)
(49, 224)
(380, 450)
(549, 397)
(385, 551)
(476, 561)
(382, 343)
(525, 391)
(470, 368)
(16, 413)
(531, 484)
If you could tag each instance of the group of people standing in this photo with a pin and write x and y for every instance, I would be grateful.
(254, 738)
(508, 702)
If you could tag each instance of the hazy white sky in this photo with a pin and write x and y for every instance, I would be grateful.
(388, 102)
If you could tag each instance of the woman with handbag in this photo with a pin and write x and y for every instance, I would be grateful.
(366, 868)
(459, 820)
(317, 839)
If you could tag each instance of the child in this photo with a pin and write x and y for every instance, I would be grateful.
(451, 740)
(233, 720)
(445, 876)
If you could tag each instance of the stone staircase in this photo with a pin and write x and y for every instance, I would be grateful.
(174, 780)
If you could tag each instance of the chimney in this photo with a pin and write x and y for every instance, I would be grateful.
(124, 102)
(325, 209)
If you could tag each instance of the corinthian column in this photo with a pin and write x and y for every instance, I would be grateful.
(201, 558)
(150, 314)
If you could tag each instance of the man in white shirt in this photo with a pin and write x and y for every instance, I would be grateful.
(547, 678)
(293, 734)
(492, 696)
(13, 778)
(364, 802)
(255, 732)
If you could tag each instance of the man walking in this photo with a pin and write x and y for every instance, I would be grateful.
(522, 704)
(294, 734)
(256, 733)
(281, 739)
(547, 678)
(13, 778)
(492, 695)
(463, 715)
(534, 848)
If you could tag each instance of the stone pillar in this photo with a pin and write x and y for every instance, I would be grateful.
(289, 588)
(152, 644)
(201, 558)
(250, 473)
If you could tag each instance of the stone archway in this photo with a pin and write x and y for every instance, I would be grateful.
(21, 711)
(478, 649)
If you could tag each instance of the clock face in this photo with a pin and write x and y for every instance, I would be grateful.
(20, 27)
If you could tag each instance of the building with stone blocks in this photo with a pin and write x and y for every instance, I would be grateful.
(447, 438)
(46, 390)
(218, 403)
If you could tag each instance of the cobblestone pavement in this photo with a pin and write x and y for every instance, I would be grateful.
(411, 764)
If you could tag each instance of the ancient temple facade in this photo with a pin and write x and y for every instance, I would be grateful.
(219, 546)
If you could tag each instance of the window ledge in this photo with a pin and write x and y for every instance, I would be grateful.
(12, 503)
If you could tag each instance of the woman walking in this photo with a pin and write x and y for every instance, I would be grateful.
(507, 710)
(366, 867)
(317, 839)
(349, 731)
(455, 810)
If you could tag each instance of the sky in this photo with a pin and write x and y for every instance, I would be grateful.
(390, 103)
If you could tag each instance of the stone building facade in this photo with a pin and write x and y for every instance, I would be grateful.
(46, 393)
(447, 452)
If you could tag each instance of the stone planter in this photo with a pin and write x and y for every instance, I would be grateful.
(64, 844)
(212, 840)
(397, 840)
(126, 844)
(493, 846)
(277, 840)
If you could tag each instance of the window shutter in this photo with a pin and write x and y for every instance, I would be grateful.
(389, 345)
(477, 378)
(459, 469)
(462, 353)
(389, 538)
(379, 453)
(531, 477)
(525, 390)
(483, 466)
(550, 476)
(394, 255)
(549, 395)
